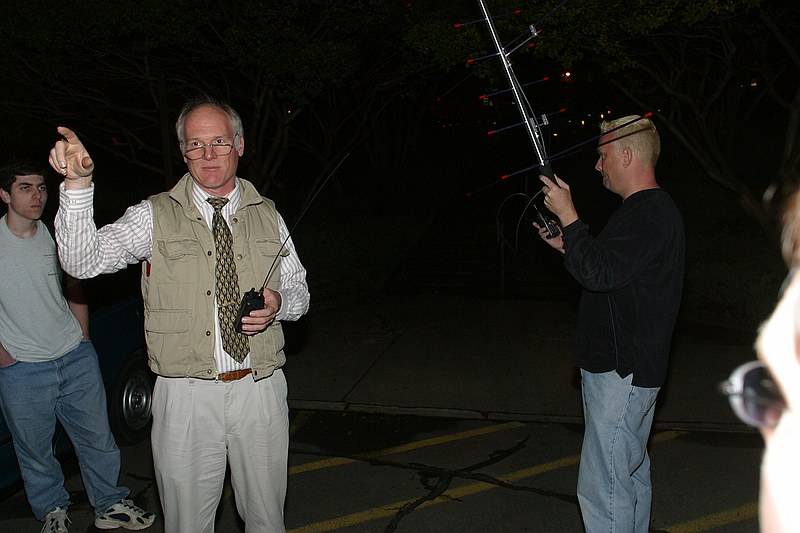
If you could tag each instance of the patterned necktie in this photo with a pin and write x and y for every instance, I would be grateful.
(227, 284)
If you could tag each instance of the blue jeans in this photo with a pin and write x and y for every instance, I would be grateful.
(614, 488)
(69, 388)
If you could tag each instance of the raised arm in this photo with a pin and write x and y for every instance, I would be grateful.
(84, 251)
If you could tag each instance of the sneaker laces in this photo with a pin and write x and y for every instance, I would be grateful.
(56, 521)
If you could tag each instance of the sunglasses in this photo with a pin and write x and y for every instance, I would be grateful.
(754, 395)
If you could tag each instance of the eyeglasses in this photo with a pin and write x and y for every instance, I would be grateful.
(754, 395)
(197, 149)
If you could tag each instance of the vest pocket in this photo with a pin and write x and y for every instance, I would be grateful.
(268, 251)
(167, 321)
(178, 248)
(270, 248)
(176, 256)
(166, 333)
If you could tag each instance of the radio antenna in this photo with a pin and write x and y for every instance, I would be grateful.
(532, 127)
(299, 218)
(254, 299)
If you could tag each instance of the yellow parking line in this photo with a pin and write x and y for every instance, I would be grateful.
(717, 520)
(456, 493)
(336, 461)
(666, 435)
(384, 511)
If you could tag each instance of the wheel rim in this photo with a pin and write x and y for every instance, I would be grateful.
(137, 397)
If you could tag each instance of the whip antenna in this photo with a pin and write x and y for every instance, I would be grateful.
(254, 299)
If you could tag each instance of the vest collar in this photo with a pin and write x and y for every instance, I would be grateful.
(182, 193)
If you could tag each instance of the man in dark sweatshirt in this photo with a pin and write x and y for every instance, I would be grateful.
(632, 279)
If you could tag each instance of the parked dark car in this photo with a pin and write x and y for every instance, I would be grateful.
(117, 333)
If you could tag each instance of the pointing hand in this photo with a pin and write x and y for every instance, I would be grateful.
(70, 159)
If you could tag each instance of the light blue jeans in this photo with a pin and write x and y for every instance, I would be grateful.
(614, 488)
(69, 388)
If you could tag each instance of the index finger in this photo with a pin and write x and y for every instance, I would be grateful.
(58, 158)
(547, 181)
(70, 136)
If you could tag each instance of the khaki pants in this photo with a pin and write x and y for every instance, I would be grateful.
(198, 426)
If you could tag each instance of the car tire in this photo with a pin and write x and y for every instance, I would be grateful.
(130, 406)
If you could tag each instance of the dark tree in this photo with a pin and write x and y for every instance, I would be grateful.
(724, 77)
(313, 79)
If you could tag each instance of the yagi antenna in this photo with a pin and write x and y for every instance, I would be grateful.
(543, 218)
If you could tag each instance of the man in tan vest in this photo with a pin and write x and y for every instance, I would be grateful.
(220, 396)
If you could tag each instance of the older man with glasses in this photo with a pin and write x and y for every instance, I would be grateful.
(220, 395)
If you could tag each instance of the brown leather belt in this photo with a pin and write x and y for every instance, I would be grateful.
(233, 375)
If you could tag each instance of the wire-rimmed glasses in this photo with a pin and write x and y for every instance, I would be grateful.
(754, 395)
(196, 149)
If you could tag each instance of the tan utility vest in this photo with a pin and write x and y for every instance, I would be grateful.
(178, 282)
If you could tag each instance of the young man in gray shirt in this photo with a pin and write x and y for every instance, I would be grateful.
(49, 369)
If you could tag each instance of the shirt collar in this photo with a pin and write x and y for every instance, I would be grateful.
(199, 197)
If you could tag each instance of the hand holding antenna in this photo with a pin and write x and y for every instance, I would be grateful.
(542, 213)
(558, 199)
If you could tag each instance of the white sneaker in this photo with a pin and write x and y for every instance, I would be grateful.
(56, 521)
(126, 515)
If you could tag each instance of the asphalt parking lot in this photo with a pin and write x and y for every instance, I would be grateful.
(409, 414)
(367, 472)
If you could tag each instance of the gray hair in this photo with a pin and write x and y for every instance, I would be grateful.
(191, 105)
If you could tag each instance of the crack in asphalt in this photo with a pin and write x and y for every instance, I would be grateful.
(437, 480)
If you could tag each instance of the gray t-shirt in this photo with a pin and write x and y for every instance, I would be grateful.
(36, 323)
